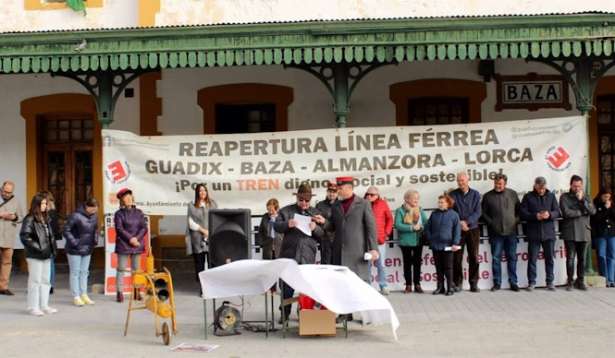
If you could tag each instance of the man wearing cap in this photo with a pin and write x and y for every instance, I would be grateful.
(354, 223)
(10, 217)
(539, 208)
(297, 244)
(326, 245)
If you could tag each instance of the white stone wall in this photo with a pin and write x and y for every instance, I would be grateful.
(16, 88)
(125, 13)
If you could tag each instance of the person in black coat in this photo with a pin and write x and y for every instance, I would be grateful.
(81, 232)
(55, 230)
(39, 248)
(539, 208)
(603, 234)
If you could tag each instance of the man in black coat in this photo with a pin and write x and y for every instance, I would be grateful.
(539, 208)
(326, 245)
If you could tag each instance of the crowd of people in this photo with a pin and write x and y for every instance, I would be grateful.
(351, 231)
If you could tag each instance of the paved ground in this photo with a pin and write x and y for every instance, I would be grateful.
(487, 324)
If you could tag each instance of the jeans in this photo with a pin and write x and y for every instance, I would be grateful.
(122, 259)
(38, 283)
(578, 249)
(382, 270)
(508, 244)
(79, 272)
(533, 251)
(52, 273)
(605, 250)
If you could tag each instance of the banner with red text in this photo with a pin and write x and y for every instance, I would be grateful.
(245, 170)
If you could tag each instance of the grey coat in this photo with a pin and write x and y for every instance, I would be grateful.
(194, 239)
(8, 228)
(355, 234)
(575, 217)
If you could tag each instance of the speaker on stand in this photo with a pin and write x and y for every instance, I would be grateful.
(229, 236)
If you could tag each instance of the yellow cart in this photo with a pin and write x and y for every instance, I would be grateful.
(159, 298)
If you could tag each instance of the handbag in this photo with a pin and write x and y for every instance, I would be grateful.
(423, 241)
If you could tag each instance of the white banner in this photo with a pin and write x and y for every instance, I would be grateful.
(245, 170)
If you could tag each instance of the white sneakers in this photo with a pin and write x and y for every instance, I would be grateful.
(36, 312)
(49, 310)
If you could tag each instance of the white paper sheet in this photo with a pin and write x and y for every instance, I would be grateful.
(303, 223)
(336, 287)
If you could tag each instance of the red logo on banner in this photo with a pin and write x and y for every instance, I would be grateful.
(558, 158)
(117, 172)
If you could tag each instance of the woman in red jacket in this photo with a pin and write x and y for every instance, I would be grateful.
(384, 226)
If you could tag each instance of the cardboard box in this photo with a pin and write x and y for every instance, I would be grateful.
(316, 323)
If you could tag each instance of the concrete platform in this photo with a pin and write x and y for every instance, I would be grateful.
(485, 324)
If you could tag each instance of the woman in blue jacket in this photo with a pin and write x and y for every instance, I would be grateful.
(81, 232)
(444, 232)
(130, 228)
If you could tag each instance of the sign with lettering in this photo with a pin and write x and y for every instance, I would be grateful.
(246, 170)
(531, 92)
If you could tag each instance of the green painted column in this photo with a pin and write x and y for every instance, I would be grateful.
(341, 93)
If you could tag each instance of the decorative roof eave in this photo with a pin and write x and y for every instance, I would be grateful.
(309, 43)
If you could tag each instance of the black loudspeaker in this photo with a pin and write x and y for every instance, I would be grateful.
(229, 236)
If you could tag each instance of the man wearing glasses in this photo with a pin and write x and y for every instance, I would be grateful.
(300, 242)
(10, 217)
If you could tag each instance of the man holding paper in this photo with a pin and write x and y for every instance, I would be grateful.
(301, 235)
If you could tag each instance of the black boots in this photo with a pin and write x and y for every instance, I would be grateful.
(450, 289)
(439, 289)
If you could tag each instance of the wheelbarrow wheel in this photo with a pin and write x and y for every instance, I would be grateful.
(166, 334)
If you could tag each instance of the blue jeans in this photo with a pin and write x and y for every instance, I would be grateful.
(79, 272)
(382, 271)
(52, 275)
(605, 250)
(533, 251)
(508, 244)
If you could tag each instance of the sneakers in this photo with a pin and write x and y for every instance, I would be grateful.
(551, 287)
(384, 291)
(49, 310)
(496, 287)
(85, 299)
(77, 301)
(457, 288)
(569, 286)
(35, 312)
(530, 288)
(514, 287)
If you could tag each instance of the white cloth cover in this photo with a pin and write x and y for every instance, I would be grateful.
(336, 287)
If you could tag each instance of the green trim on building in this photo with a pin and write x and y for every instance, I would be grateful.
(368, 41)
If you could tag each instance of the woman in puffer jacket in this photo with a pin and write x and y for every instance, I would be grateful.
(443, 231)
(39, 248)
(81, 232)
